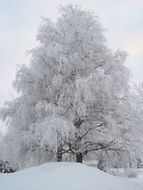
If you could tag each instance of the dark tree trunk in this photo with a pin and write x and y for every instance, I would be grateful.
(59, 154)
(79, 157)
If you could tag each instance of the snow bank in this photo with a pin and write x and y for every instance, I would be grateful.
(64, 176)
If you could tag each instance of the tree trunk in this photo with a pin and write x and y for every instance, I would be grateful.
(79, 157)
(101, 163)
(59, 154)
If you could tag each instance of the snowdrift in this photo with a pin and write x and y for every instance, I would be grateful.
(64, 176)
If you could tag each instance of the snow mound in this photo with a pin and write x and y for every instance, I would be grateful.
(63, 176)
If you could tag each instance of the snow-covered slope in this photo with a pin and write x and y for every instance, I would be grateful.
(64, 176)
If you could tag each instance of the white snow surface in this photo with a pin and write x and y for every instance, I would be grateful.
(64, 176)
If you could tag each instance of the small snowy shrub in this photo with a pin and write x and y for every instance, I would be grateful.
(131, 172)
(5, 167)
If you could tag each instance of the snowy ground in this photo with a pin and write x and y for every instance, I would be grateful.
(65, 176)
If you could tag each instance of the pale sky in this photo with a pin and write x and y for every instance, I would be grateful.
(19, 20)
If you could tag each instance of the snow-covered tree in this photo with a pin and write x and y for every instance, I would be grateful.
(73, 94)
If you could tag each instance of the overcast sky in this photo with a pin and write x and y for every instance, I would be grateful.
(19, 20)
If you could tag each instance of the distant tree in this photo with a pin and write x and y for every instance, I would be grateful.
(137, 106)
(73, 94)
